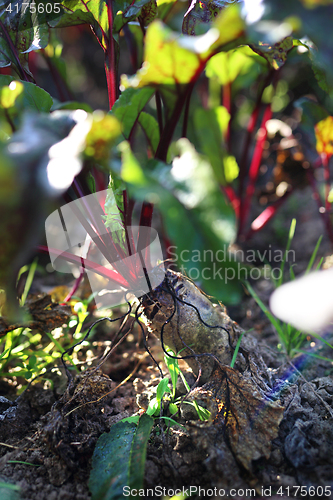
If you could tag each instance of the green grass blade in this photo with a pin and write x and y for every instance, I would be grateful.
(3, 354)
(29, 281)
(313, 256)
(290, 238)
(172, 365)
(61, 349)
(184, 381)
(169, 419)
(236, 350)
(292, 274)
(162, 388)
(265, 310)
(23, 463)
(314, 355)
(319, 337)
(9, 486)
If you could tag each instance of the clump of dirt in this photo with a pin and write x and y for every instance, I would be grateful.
(56, 439)
(300, 454)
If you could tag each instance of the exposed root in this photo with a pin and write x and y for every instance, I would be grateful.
(70, 350)
(243, 417)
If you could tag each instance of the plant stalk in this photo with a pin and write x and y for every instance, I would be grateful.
(159, 111)
(267, 214)
(226, 102)
(244, 158)
(186, 113)
(254, 168)
(110, 60)
(58, 79)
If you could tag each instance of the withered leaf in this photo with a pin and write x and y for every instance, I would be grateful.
(249, 420)
(46, 315)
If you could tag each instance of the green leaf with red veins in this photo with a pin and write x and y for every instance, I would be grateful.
(86, 12)
(311, 19)
(24, 28)
(171, 60)
(195, 215)
(129, 106)
(148, 13)
(126, 11)
(17, 97)
(275, 54)
(225, 67)
(166, 61)
(95, 13)
(203, 11)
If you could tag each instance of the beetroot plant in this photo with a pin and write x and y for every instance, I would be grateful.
(183, 86)
(163, 181)
(165, 155)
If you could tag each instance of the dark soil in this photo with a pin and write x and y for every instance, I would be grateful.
(48, 433)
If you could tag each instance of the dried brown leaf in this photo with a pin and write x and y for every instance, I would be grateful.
(46, 315)
(250, 420)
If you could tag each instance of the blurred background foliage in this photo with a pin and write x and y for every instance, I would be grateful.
(247, 102)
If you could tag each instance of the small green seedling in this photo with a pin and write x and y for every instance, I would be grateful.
(31, 273)
(165, 394)
(237, 349)
(162, 390)
(81, 309)
(25, 353)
